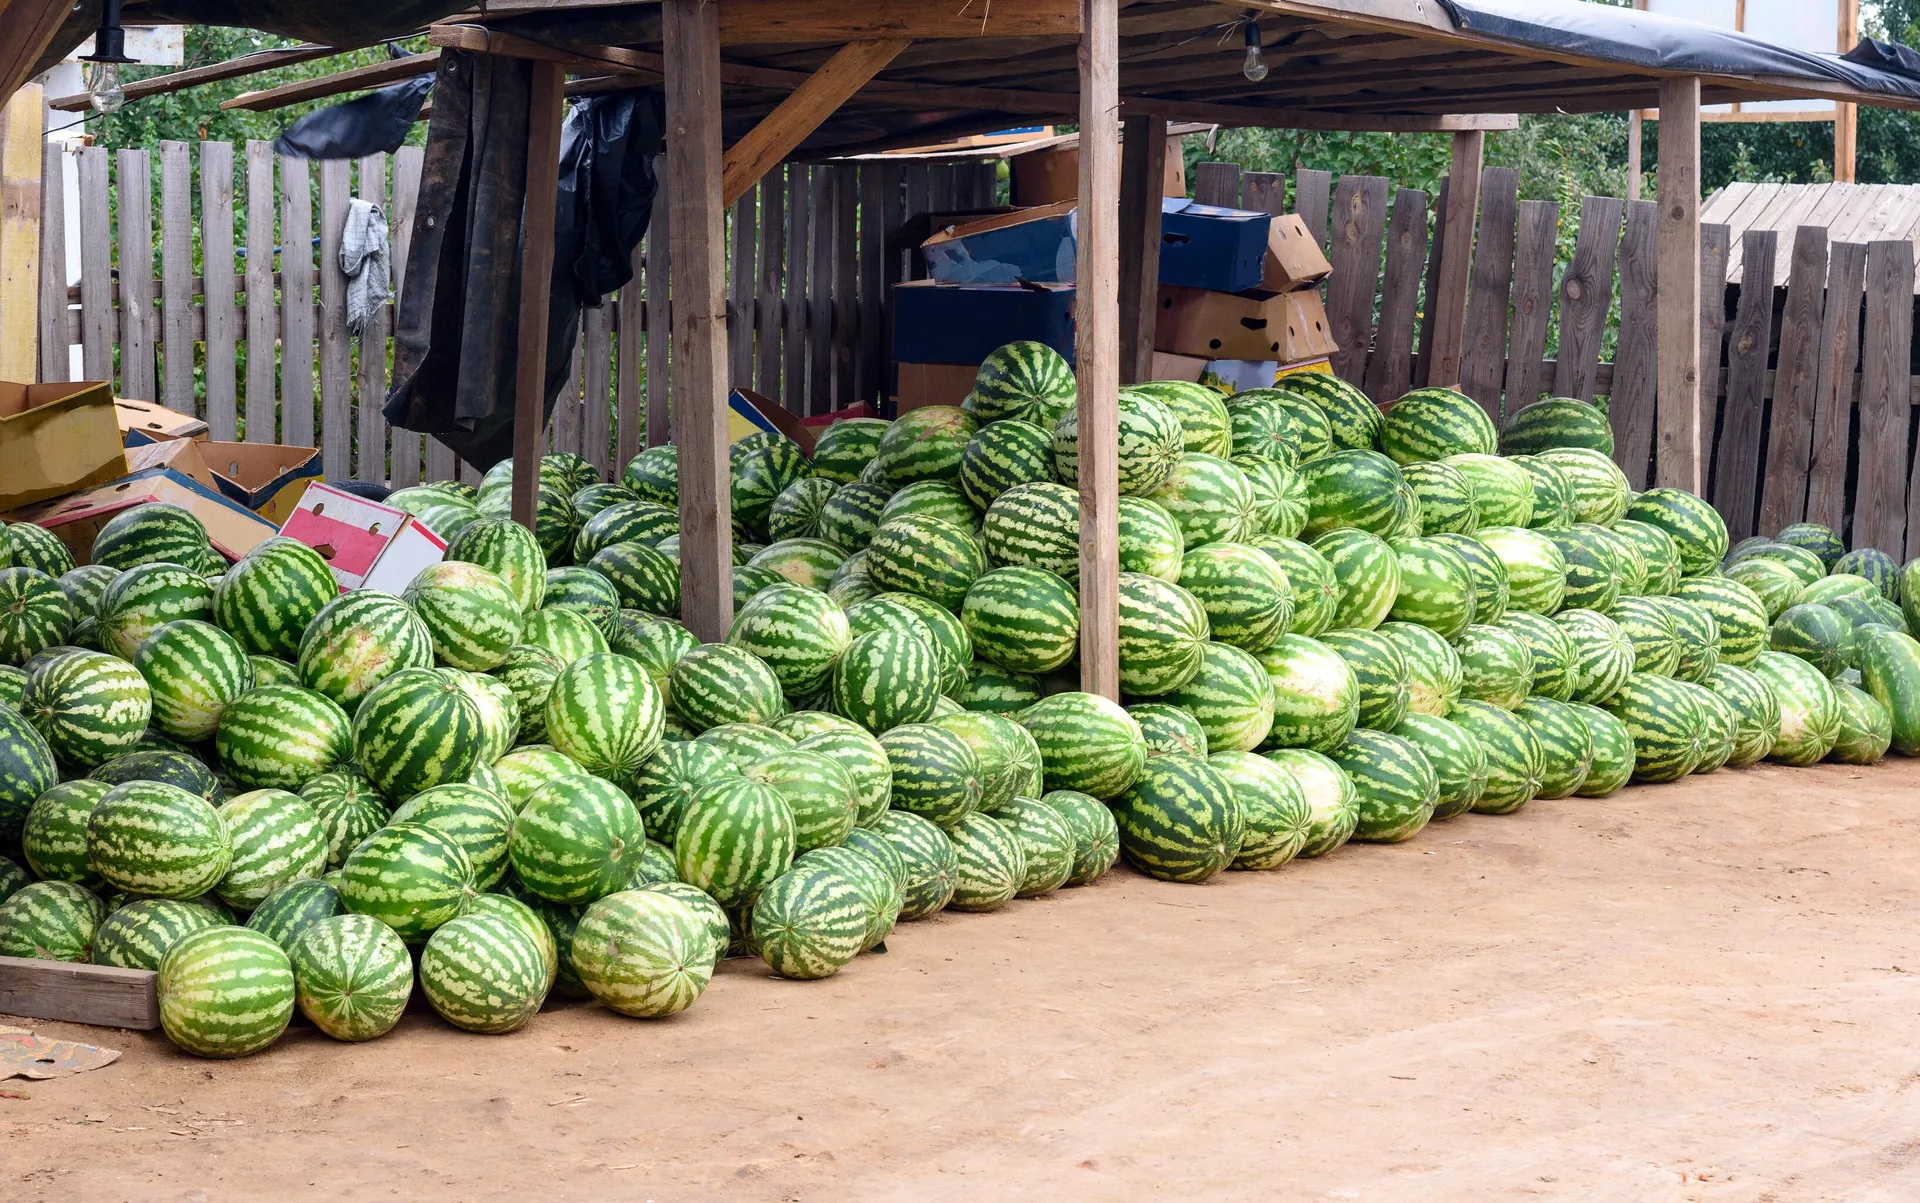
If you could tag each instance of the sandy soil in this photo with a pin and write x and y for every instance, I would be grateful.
(1706, 992)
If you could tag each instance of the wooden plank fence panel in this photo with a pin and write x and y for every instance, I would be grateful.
(138, 324)
(1879, 499)
(870, 355)
(1430, 287)
(1359, 227)
(659, 318)
(563, 424)
(1311, 190)
(741, 279)
(1834, 391)
(296, 308)
(630, 385)
(97, 326)
(336, 356)
(55, 360)
(408, 162)
(1586, 291)
(1532, 301)
(262, 406)
(799, 214)
(1631, 404)
(769, 293)
(844, 300)
(217, 269)
(893, 212)
(1264, 191)
(176, 278)
(1714, 238)
(824, 197)
(596, 418)
(1735, 489)
(1485, 353)
(371, 462)
(1217, 184)
(919, 183)
(1783, 492)
(1390, 368)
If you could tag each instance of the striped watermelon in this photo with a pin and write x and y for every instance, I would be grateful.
(1046, 844)
(155, 532)
(796, 511)
(1536, 570)
(84, 587)
(352, 976)
(715, 684)
(568, 634)
(1022, 379)
(1515, 760)
(643, 578)
(932, 499)
(936, 773)
(865, 762)
(1087, 743)
(1658, 552)
(1034, 525)
(349, 808)
(410, 877)
(1552, 493)
(1246, 597)
(276, 839)
(1502, 490)
(1649, 627)
(1436, 586)
(932, 863)
(1272, 805)
(644, 522)
(1163, 631)
(1315, 695)
(818, 792)
(1552, 652)
(158, 840)
(1490, 586)
(1696, 528)
(1629, 568)
(1816, 634)
(926, 556)
(1316, 595)
(1002, 455)
(293, 908)
(598, 496)
(1809, 709)
(1699, 637)
(810, 922)
(1169, 729)
(415, 730)
(35, 614)
(142, 599)
(50, 921)
(1866, 729)
(1458, 761)
(885, 679)
(1665, 724)
(796, 632)
(1279, 495)
(1201, 412)
(1802, 563)
(526, 769)
(1496, 666)
(669, 779)
(926, 444)
(1180, 821)
(267, 670)
(1433, 668)
(281, 736)
(845, 447)
(1613, 755)
(1599, 486)
(654, 474)
(272, 594)
(575, 840)
(1756, 713)
(1008, 758)
(1828, 589)
(1556, 422)
(479, 821)
(744, 743)
(1820, 540)
(1593, 579)
(1565, 744)
(1331, 798)
(1446, 498)
(154, 762)
(761, 467)
(952, 646)
(1434, 423)
(1150, 445)
(1022, 619)
(88, 706)
(1718, 724)
(989, 864)
(484, 973)
(1382, 678)
(13, 685)
(849, 518)
(1150, 540)
(225, 992)
(1351, 489)
(358, 640)
(808, 562)
(1096, 836)
(1231, 698)
(735, 836)
(1354, 421)
(28, 545)
(54, 838)
(528, 673)
(1210, 500)
(1395, 785)
(1767, 579)
(585, 592)
(1366, 575)
(1872, 564)
(193, 671)
(139, 934)
(1890, 673)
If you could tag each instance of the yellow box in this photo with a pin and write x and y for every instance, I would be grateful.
(56, 439)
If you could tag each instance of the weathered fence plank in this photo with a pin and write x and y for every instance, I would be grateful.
(408, 163)
(1311, 190)
(138, 325)
(371, 462)
(744, 239)
(296, 305)
(98, 333)
(630, 383)
(1631, 405)
(1713, 329)
(659, 319)
(1586, 292)
(262, 406)
(1834, 390)
(1359, 226)
(1879, 498)
(222, 317)
(799, 259)
(1532, 301)
(1217, 184)
(768, 356)
(1492, 287)
(1264, 192)
(1389, 371)
(596, 385)
(336, 353)
(1783, 494)
(870, 356)
(1430, 287)
(823, 191)
(1736, 487)
(55, 357)
(176, 277)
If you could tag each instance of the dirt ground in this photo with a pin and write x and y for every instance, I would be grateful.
(1706, 991)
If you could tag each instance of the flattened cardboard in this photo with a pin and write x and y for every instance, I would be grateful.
(267, 478)
(233, 529)
(752, 413)
(1282, 327)
(146, 421)
(1026, 244)
(55, 439)
(924, 384)
(1204, 246)
(1047, 177)
(1168, 366)
(182, 455)
(368, 545)
(965, 323)
(1294, 260)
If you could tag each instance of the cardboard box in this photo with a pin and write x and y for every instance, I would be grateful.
(919, 385)
(1294, 260)
(1202, 246)
(859, 409)
(181, 455)
(368, 545)
(749, 413)
(233, 529)
(1047, 177)
(1238, 375)
(1168, 366)
(964, 323)
(267, 478)
(1320, 364)
(1025, 244)
(56, 438)
(149, 421)
(1279, 326)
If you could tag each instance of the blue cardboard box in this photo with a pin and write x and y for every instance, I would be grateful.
(1027, 244)
(1220, 250)
(964, 323)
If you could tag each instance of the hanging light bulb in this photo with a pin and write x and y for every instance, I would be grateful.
(1255, 66)
(103, 65)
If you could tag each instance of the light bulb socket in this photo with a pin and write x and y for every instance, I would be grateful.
(109, 41)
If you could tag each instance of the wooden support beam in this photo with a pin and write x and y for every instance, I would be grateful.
(1143, 166)
(1271, 117)
(21, 158)
(1678, 461)
(1098, 347)
(697, 249)
(536, 286)
(1449, 304)
(27, 28)
(193, 77)
(802, 112)
(359, 79)
(762, 21)
(102, 995)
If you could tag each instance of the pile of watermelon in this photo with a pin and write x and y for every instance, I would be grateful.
(524, 776)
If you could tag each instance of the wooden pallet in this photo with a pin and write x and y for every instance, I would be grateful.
(93, 994)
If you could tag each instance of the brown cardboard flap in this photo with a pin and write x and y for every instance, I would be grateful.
(77, 519)
(784, 422)
(182, 455)
(999, 221)
(924, 384)
(1168, 366)
(157, 421)
(1256, 325)
(1294, 260)
(56, 438)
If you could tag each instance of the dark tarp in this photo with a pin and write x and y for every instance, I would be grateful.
(1632, 37)
(333, 23)
(378, 121)
(458, 327)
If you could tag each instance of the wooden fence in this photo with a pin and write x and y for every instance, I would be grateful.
(178, 318)
(1807, 390)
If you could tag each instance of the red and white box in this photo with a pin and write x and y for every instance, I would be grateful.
(368, 545)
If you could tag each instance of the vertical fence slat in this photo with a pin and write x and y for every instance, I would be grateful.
(1390, 369)
(296, 309)
(1636, 361)
(893, 212)
(336, 356)
(137, 321)
(659, 317)
(222, 318)
(596, 426)
(870, 356)
(176, 277)
(408, 163)
(96, 271)
(1879, 501)
(1217, 184)
(794, 394)
(1783, 490)
(1532, 302)
(372, 376)
(1736, 486)
(1359, 227)
(564, 427)
(1264, 191)
(1430, 290)
(845, 299)
(1586, 291)
(824, 193)
(919, 183)
(630, 384)
(1485, 351)
(740, 285)
(769, 293)
(1834, 391)
(262, 344)
(55, 360)
(1714, 240)
(1310, 192)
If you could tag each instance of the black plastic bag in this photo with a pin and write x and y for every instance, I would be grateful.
(378, 121)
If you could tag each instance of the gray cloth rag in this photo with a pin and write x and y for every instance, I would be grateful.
(367, 258)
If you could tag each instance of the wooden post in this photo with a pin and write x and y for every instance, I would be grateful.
(1098, 347)
(20, 162)
(1143, 164)
(536, 285)
(1846, 117)
(1456, 259)
(698, 254)
(1677, 459)
(1633, 155)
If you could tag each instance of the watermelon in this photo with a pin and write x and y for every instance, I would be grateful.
(84, 587)
(1316, 697)
(575, 840)
(1210, 499)
(88, 706)
(411, 877)
(484, 973)
(654, 474)
(1496, 666)
(761, 467)
(35, 614)
(1556, 422)
(415, 730)
(1826, 589)
(1697, 530)
(885, 679)
(926, 444)
(1551, 650)
(1649, 626)
(989, 864)
(1279, 425)
(28, 545)
(1434, 423)
(1717, 727)
(1446, 498)
(656, 644)
(281, 736)
(1809, 709)
(1366, 574)
(225, 992)
(936, 773)
(1739, 616)
(1436, 586)
(1230, 696)
(50, 921)
(1022, 619)
(54, 838)
(1395, 785)
(1273, 807)
(1150, 540)
(1351, 489)
(139, 934)
(795, 513)
(1163, 631)
(1536, 570)
(352, 976)
(1332, 800)
(1553, 501)
(935, 559)
(1592, 575)
(1489, 573)
(1009, 760)
(645, 522)
(1201, 412)
(141, 599)
(713, 684)
(598, 496)
(930, 859)
(1433, 668)
(1890, 673)
(1756, 713)
(155, 763)
(808, 562)
(156, 532)
(1566, 745)
(528, 673)
(1820, 540)
(1613, 756)
(1516, 762)
(585, 591)
(1502, 490)
(865, 762)
(1382, 677)
(272, 594)
(810, 922)
(1816, 634)
(1602, 655)
(818, 792)
(797, 633)
(1180, 821)
(1279, 495)
(670, 777)
(1699, 637)
(154, 839)
(1876, 566)
(735, 836)
(1354, 421)
(1804, 564)
(349, 809)
(480, 822)
(1665, 723)
(1246, 596)
(1004, 454)
(1025, 379)
(193, 671)
(1599, 487)
(567, 634)
(1046, 841)
(1096, 836)
(294, 907)
(991, 688)
(1087, 743)
(359, 640)
(849, 517)
(1315, 593)
(275, 838)
(843, 448)
(1150, 445)
(1169, 729)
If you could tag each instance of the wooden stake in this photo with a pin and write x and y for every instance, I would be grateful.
(1456, 259)
(1633, 155)
(697, 250)
(1846, 116)
(780, 131)
(1143, 164)
(20, 163)
(1098, 347)
(536, 286)
(1677, 459)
